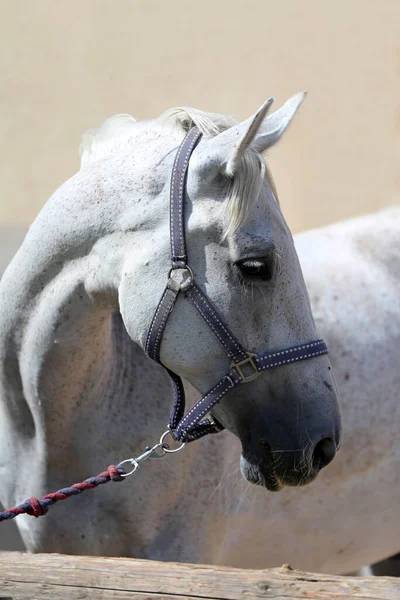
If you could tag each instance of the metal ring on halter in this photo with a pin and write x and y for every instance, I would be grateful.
(186, 268)
(163, 444)
(133, 462)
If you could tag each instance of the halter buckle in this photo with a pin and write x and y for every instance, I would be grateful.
(241, 368)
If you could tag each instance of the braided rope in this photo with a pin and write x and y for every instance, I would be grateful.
(36, 508)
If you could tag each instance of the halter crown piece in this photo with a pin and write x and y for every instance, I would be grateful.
(245, 366)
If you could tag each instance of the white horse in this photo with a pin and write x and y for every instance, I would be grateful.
(73, 436)
(348, 517)
(101, 244)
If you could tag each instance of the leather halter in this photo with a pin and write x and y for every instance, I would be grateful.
(245, 366)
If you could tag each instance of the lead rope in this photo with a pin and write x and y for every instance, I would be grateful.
(36, 507)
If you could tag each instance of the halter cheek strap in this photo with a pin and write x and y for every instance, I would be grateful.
(245, 366)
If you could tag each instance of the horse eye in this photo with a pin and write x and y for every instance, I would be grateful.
(261, 269)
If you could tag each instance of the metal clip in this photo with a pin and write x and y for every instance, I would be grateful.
(151, 452)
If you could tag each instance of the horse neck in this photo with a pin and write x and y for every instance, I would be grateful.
(46, 324)
(58, 354)
(69, 371)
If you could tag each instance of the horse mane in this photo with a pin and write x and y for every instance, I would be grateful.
(95, 142)
(245, 185)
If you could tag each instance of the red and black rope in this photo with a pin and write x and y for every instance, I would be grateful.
(36, 508)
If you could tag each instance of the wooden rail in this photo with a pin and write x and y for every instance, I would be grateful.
(59, 577)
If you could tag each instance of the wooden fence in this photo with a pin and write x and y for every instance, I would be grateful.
(59, 577)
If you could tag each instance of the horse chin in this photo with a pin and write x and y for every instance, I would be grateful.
(270, 479)
(253, 474)
(304, 480)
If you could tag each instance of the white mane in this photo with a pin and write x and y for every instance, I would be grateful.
(94, 142)
(246, 184)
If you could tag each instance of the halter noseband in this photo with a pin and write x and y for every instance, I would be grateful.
(245, 366)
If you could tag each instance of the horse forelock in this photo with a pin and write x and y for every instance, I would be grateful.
(245, 185)
(184, 118)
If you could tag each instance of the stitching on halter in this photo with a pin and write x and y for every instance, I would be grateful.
(212, 327)
(290, 350)
(183, 425)
(153, 324)
(293, 359)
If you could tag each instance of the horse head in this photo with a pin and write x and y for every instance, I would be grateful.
(242, 255)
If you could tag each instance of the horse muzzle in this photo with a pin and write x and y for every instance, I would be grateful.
(275, 469)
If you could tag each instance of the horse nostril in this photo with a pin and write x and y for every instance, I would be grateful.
(324, 453)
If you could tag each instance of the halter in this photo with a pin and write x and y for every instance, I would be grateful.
(245, 366)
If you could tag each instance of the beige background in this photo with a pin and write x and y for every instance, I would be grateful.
(66, 66)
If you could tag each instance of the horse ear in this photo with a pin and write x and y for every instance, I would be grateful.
(274, 126)
(225, 151)
(247, 131)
